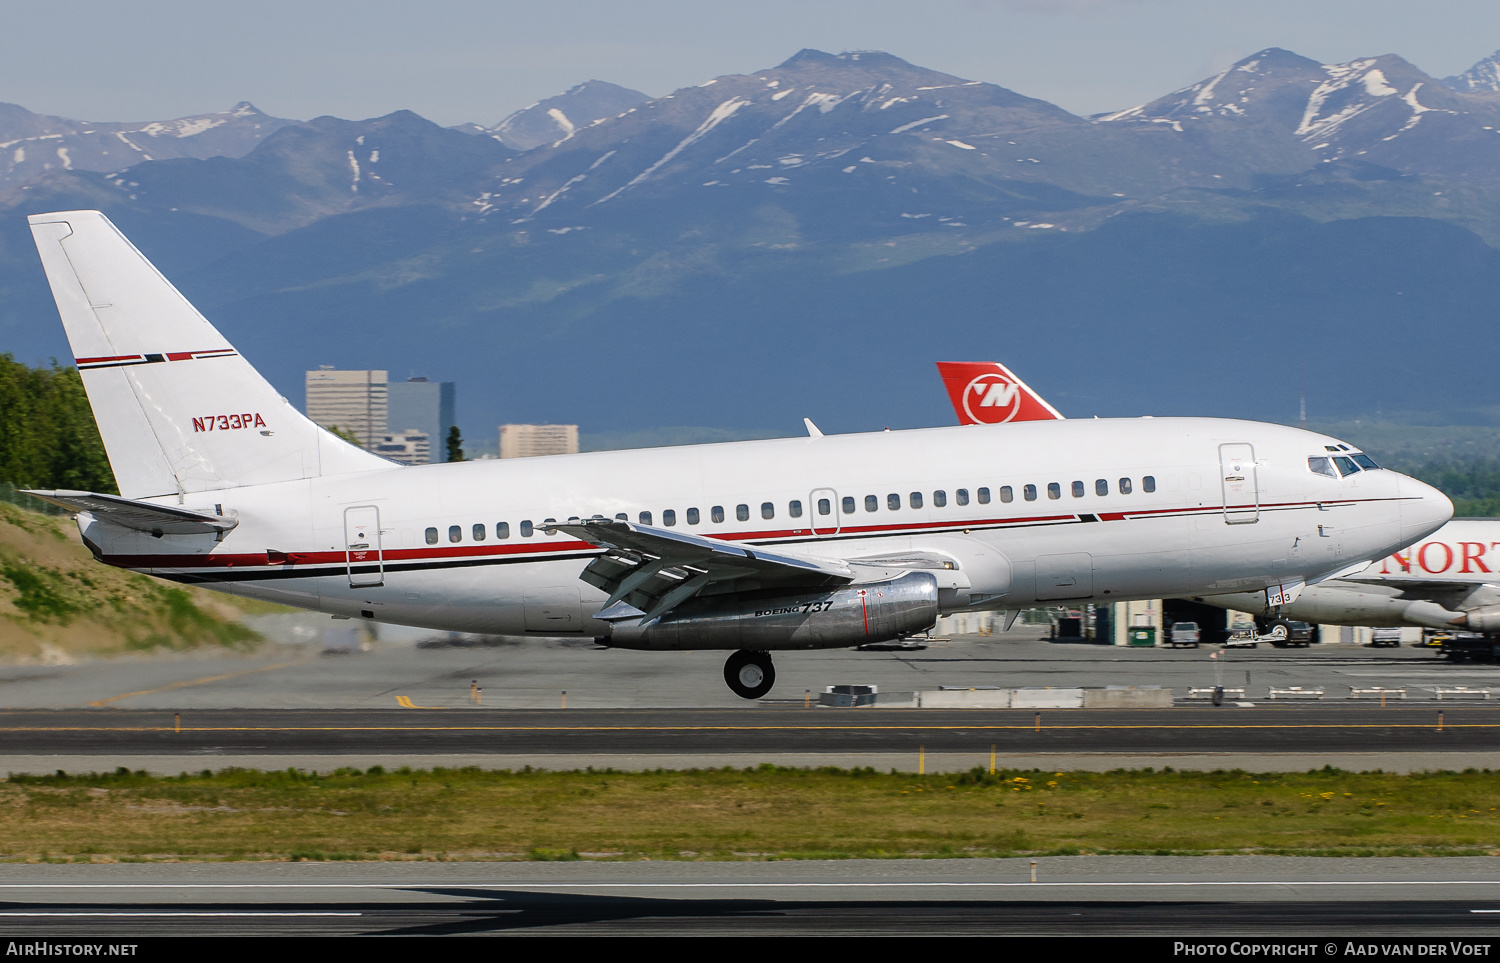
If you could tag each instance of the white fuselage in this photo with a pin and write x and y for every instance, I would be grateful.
(302, 542)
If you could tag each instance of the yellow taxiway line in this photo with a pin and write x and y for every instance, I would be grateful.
(192, 682)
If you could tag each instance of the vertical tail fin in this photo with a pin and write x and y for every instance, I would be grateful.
(178, 408)
(986, 393)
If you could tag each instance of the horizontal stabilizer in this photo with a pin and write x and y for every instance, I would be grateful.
(141, 516)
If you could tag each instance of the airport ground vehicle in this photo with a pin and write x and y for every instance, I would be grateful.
(1385, 637)
(751, 547)
(1467, 646)
(1183, 635)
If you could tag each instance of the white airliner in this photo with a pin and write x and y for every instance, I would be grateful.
(796, 543)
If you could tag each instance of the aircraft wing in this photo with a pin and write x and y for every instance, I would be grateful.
(1414, 584)
(650, 571)
(142, 516)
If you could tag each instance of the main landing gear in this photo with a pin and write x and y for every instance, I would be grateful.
(750, 674)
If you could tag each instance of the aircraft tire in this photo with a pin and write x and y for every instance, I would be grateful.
(1280, 632)
(749, 675)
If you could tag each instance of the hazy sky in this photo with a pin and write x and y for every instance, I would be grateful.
(463, 60)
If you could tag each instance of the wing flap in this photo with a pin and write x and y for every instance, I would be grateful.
(141, 516)
(649, 571)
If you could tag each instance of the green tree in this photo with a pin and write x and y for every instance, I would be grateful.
(344, 434)
(455, 445)
(48, 438)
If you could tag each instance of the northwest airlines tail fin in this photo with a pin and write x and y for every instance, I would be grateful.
(986, 393)
(178, 408)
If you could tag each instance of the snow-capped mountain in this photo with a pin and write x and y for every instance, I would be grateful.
(1482, 78)
(1380, 110)
(559, 117)
(32, 144)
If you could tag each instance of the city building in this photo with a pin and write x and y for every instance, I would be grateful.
(426, 407)
(352, 401)
(406, 447)
(526, 441)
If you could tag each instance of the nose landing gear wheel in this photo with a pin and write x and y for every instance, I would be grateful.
(750, 675)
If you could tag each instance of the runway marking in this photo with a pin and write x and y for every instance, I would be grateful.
(193, 682)
(405, 703)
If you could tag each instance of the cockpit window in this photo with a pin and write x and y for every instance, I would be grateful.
(1347, 466)
(1321, 466)
(1364, 461)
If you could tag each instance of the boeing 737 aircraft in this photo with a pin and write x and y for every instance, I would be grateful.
(794, 543)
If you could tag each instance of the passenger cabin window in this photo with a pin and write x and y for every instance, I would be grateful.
(848, 505)
(1320, 465)
(961, 496)
(1124, 486)
(939, 499)
(768, 510)
(872, 504)
(455, 533)
(669, 517)
(1101, 486)
(645, 519)
(1054, 490)
(1346, 465)
(1078, 489)
(915, 499)
(1006, 495)
(478, 533)
(794, 508)
(526, 528)
(692, 516)
(716, 513)
(502, 529)
(742, 512)
(1148, 484)
(1029, 493)
(432, 536)
(824, 507)
(893, 501)
(984, 496)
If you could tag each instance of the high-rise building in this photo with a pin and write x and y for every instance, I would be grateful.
(353, 401)
(405, 447)
(424, 406)
(526, 441)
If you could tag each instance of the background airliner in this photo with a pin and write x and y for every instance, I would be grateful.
(750, 547)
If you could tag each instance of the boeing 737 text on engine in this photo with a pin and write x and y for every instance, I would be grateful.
(794, 543)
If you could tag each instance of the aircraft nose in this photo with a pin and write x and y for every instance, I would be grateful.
(1424, 509)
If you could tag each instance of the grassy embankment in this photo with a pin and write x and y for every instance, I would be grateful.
(764, 813)
(57, 603)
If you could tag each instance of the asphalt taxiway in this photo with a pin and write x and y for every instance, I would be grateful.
(1117, 895)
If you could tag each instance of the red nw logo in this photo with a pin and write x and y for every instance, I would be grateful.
(991, 399)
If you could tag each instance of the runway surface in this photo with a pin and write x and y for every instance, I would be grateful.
(1221, 896)
(753, 730)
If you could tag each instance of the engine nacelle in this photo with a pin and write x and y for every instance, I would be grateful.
(817, 619)
(1483, 619)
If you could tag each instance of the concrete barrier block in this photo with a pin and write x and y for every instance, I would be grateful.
(965, 698)
(1127, 698)
(896, 700)
(1046, 699)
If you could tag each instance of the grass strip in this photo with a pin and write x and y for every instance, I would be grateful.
(767, 812)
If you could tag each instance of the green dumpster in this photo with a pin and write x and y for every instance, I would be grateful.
(1142, 635)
